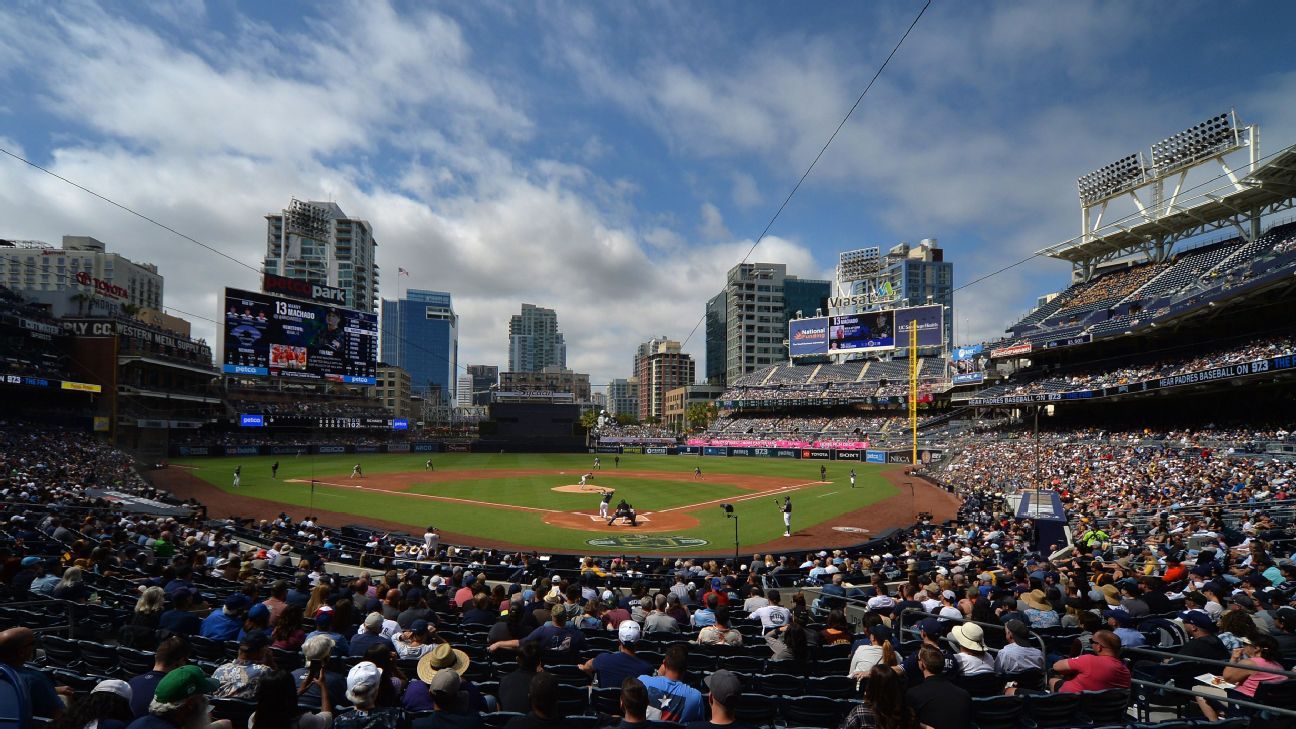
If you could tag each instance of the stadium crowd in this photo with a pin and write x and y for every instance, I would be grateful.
(248, 618)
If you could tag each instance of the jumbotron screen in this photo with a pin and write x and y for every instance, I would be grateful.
(272, 336)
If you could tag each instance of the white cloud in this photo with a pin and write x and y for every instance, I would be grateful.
(746, 193)
(713, 225)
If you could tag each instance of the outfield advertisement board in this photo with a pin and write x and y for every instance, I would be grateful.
(816, 454)
(848, 455)
(656, 450)
(808, 336)
(270, 335)
(715, 451)
(971, 378)
(929, 320)
(688, 450)
(875, 456)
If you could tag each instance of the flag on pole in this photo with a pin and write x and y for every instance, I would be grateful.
(401, 272)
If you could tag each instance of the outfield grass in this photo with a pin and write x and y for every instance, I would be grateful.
(761, 520)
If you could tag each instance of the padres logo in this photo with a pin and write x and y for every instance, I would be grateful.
(647, 541)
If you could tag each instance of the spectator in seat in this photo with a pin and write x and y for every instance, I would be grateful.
(277, 707)
(416, 641)
(555, 635)
(932, 632)
(884, 705)
(789, 643)
(1095, 671)
(31, 568)
(324, 626)
(1285, 635)
(878, 650)
(1122, 624)
(972, 655)
(277, 600)
(363, 683)
(1259, 652)
(544, 705)
(288, 633)
(370, 636)
(180, 619)
(180, 702)
(1202, 639)
(107, 707)
(171, 654)
(611, 669)
(706, 616)
(239, 678)
(937, 702)
(317, 651)
(450, 705)
(658, 620)
(719, 633)
(634, 706)
(773, 615)
(225, 623)
(669, 698)
(1039, 611)
(1018, 654)
(72, 586)
(515, 686)
(17, 647)
(724, 693)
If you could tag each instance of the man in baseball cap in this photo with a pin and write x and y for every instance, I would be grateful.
(612, 668)
(724, 691)
(179, 701)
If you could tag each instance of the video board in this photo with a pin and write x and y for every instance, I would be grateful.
(268, 335)
(808, 336)
(862, 332)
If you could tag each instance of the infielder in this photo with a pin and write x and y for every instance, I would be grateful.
(786, 508)
(428, 466)
(697, 472)
(238, 472)
(598, 464)
(355, 471)
(603, 505)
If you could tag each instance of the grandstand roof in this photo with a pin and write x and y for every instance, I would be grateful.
(1269, 189)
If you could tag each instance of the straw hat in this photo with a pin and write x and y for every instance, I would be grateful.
(1038, 600)
(1111, 594)
(970, 636)
(442, 657)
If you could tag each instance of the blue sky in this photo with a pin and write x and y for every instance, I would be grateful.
(609, 160)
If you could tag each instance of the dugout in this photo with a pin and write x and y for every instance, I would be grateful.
(532, 427)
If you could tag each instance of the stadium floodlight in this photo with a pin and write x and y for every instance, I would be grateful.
(1216, 135)
(1106, 181)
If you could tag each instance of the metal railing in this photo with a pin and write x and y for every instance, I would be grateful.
(1164, 656)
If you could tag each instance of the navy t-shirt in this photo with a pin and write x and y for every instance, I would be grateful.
(553, 638)
(142, 688)
(610, 669)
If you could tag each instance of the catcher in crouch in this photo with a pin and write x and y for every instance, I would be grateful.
(624, 511)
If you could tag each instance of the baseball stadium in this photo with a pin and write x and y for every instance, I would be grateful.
(1088, 520)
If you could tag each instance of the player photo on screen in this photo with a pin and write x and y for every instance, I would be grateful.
(270, 335)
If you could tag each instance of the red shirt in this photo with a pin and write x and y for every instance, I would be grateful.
(1096, 673)
(1174, 574)
(722, 598)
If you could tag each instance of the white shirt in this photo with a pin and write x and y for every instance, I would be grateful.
(772, 616)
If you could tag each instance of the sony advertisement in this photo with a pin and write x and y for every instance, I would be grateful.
(808, 336)
(270, 335)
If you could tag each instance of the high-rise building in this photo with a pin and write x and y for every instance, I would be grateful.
(550, 379)
(758, 299)
(420, 333)
(905, 276)
(623, 397)
(534, 340)
(484, 377)
(661, 365)
(716, 333)
(393, 391)
(317, 242)
(464, 391)
(82, 273)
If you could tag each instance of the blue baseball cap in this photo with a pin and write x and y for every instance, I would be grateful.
(1198, 618)
(238, 601)
(1120, 616)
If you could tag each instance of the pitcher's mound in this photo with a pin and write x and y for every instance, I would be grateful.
(673, 521)
(575, 488)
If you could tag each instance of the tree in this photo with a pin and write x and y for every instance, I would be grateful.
(589, 418)
(699, 415)
(626, 419)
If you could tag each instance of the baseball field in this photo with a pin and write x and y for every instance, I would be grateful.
(535, 501)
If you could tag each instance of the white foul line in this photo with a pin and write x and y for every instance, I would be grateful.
(514, 507)
(756, 495)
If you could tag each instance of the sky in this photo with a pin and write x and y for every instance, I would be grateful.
(608, 160)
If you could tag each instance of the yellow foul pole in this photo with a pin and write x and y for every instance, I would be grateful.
(913, 390)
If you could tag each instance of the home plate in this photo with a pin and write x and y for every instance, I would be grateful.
(595, 517)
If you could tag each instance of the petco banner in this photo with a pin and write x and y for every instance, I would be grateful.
(808, 336)
(875, 456)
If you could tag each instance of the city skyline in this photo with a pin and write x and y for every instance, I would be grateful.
(610, 162)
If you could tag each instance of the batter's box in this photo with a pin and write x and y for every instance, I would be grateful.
(641, 517)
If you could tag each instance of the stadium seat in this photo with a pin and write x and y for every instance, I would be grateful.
(134, 662)
(837, 687)
(497, 719)
(606, 699)
(982, 684)
(1032, 680)
(236, 710)
(206, 648)
(998, 712)
(1105, 707)
(98, 658)
(60, 651)
(758, 709)
(777, 684)
(814, 710)
(572, 699)
(1052, 710)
